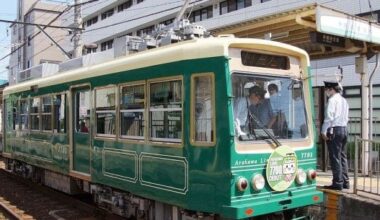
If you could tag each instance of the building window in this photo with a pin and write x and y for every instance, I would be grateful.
(105, 111)
(90, 50)
(262, 1)
(92, 21)
(167, 22)
(132, 117)
(46, 113)
(165, 111)
(139, 1)
(203, 108)
(145, 31)
(124, 6)
(201, 14)
(223, 7)
(107, 14)
(233, 5)
(106, 45)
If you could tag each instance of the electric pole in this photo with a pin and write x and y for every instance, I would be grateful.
(77, 38)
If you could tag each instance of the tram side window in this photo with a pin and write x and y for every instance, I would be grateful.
(24, 114)
(46, 113)
(82, 111)
(14, 113)
(34, 114)
(203, 109)
(132, 118)
(105, 111)
(59, 113)
(165, 111)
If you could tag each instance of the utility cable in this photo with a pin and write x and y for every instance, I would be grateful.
(33, 36)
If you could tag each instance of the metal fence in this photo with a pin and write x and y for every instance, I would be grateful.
(367, 166)
(354, 129)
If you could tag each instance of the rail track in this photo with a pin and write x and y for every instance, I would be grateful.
(23, 199)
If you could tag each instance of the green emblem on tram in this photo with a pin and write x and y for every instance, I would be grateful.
(281, 168)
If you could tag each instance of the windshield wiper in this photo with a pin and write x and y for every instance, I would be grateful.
(258, 122)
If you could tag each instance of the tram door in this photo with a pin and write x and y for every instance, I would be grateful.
(81, 133)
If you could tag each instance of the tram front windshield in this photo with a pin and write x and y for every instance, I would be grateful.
(267, 103)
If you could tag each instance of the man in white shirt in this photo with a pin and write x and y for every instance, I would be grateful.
(299, 124)
(334, 132)
(258, 106)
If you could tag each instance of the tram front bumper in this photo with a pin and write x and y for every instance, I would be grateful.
(268, 205)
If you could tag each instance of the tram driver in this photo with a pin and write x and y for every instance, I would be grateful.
(254, 105)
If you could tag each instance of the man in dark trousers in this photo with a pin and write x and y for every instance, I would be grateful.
(334, 132)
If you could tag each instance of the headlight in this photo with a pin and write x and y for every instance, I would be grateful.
(301, 176)
(258, 182)
(242, 184)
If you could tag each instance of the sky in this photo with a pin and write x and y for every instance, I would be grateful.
(8, 11)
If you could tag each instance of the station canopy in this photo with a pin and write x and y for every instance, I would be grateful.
(321, 31)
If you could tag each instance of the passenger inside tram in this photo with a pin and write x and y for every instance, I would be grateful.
(274, 104)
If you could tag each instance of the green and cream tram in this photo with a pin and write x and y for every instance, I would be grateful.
(155, 134)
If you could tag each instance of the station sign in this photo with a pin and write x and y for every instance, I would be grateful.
(327, 39)
(341, 24)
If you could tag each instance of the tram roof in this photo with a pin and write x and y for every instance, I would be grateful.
(187, 50)
(323, 32)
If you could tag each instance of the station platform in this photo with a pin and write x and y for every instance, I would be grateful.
(345, 204)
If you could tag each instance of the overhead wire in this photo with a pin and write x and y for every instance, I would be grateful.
(54, 19)
(28, 32)
(371, 11)
(64, 11)
(33, 36)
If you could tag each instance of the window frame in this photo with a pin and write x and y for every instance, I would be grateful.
(14, 112)
(43, 113)
(99, 135)
(144, 110)
(192, 111)
(107, 14)
(232, 5)
(106, 45)
(92, 21)
(145, 31)
(19, 115)
(164, 141)
(208, 11)
(125, 5)
(38, 114)
(66, 112)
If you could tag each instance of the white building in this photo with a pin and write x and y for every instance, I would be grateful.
(31, 49)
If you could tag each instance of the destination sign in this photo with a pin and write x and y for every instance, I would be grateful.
(327, 39)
